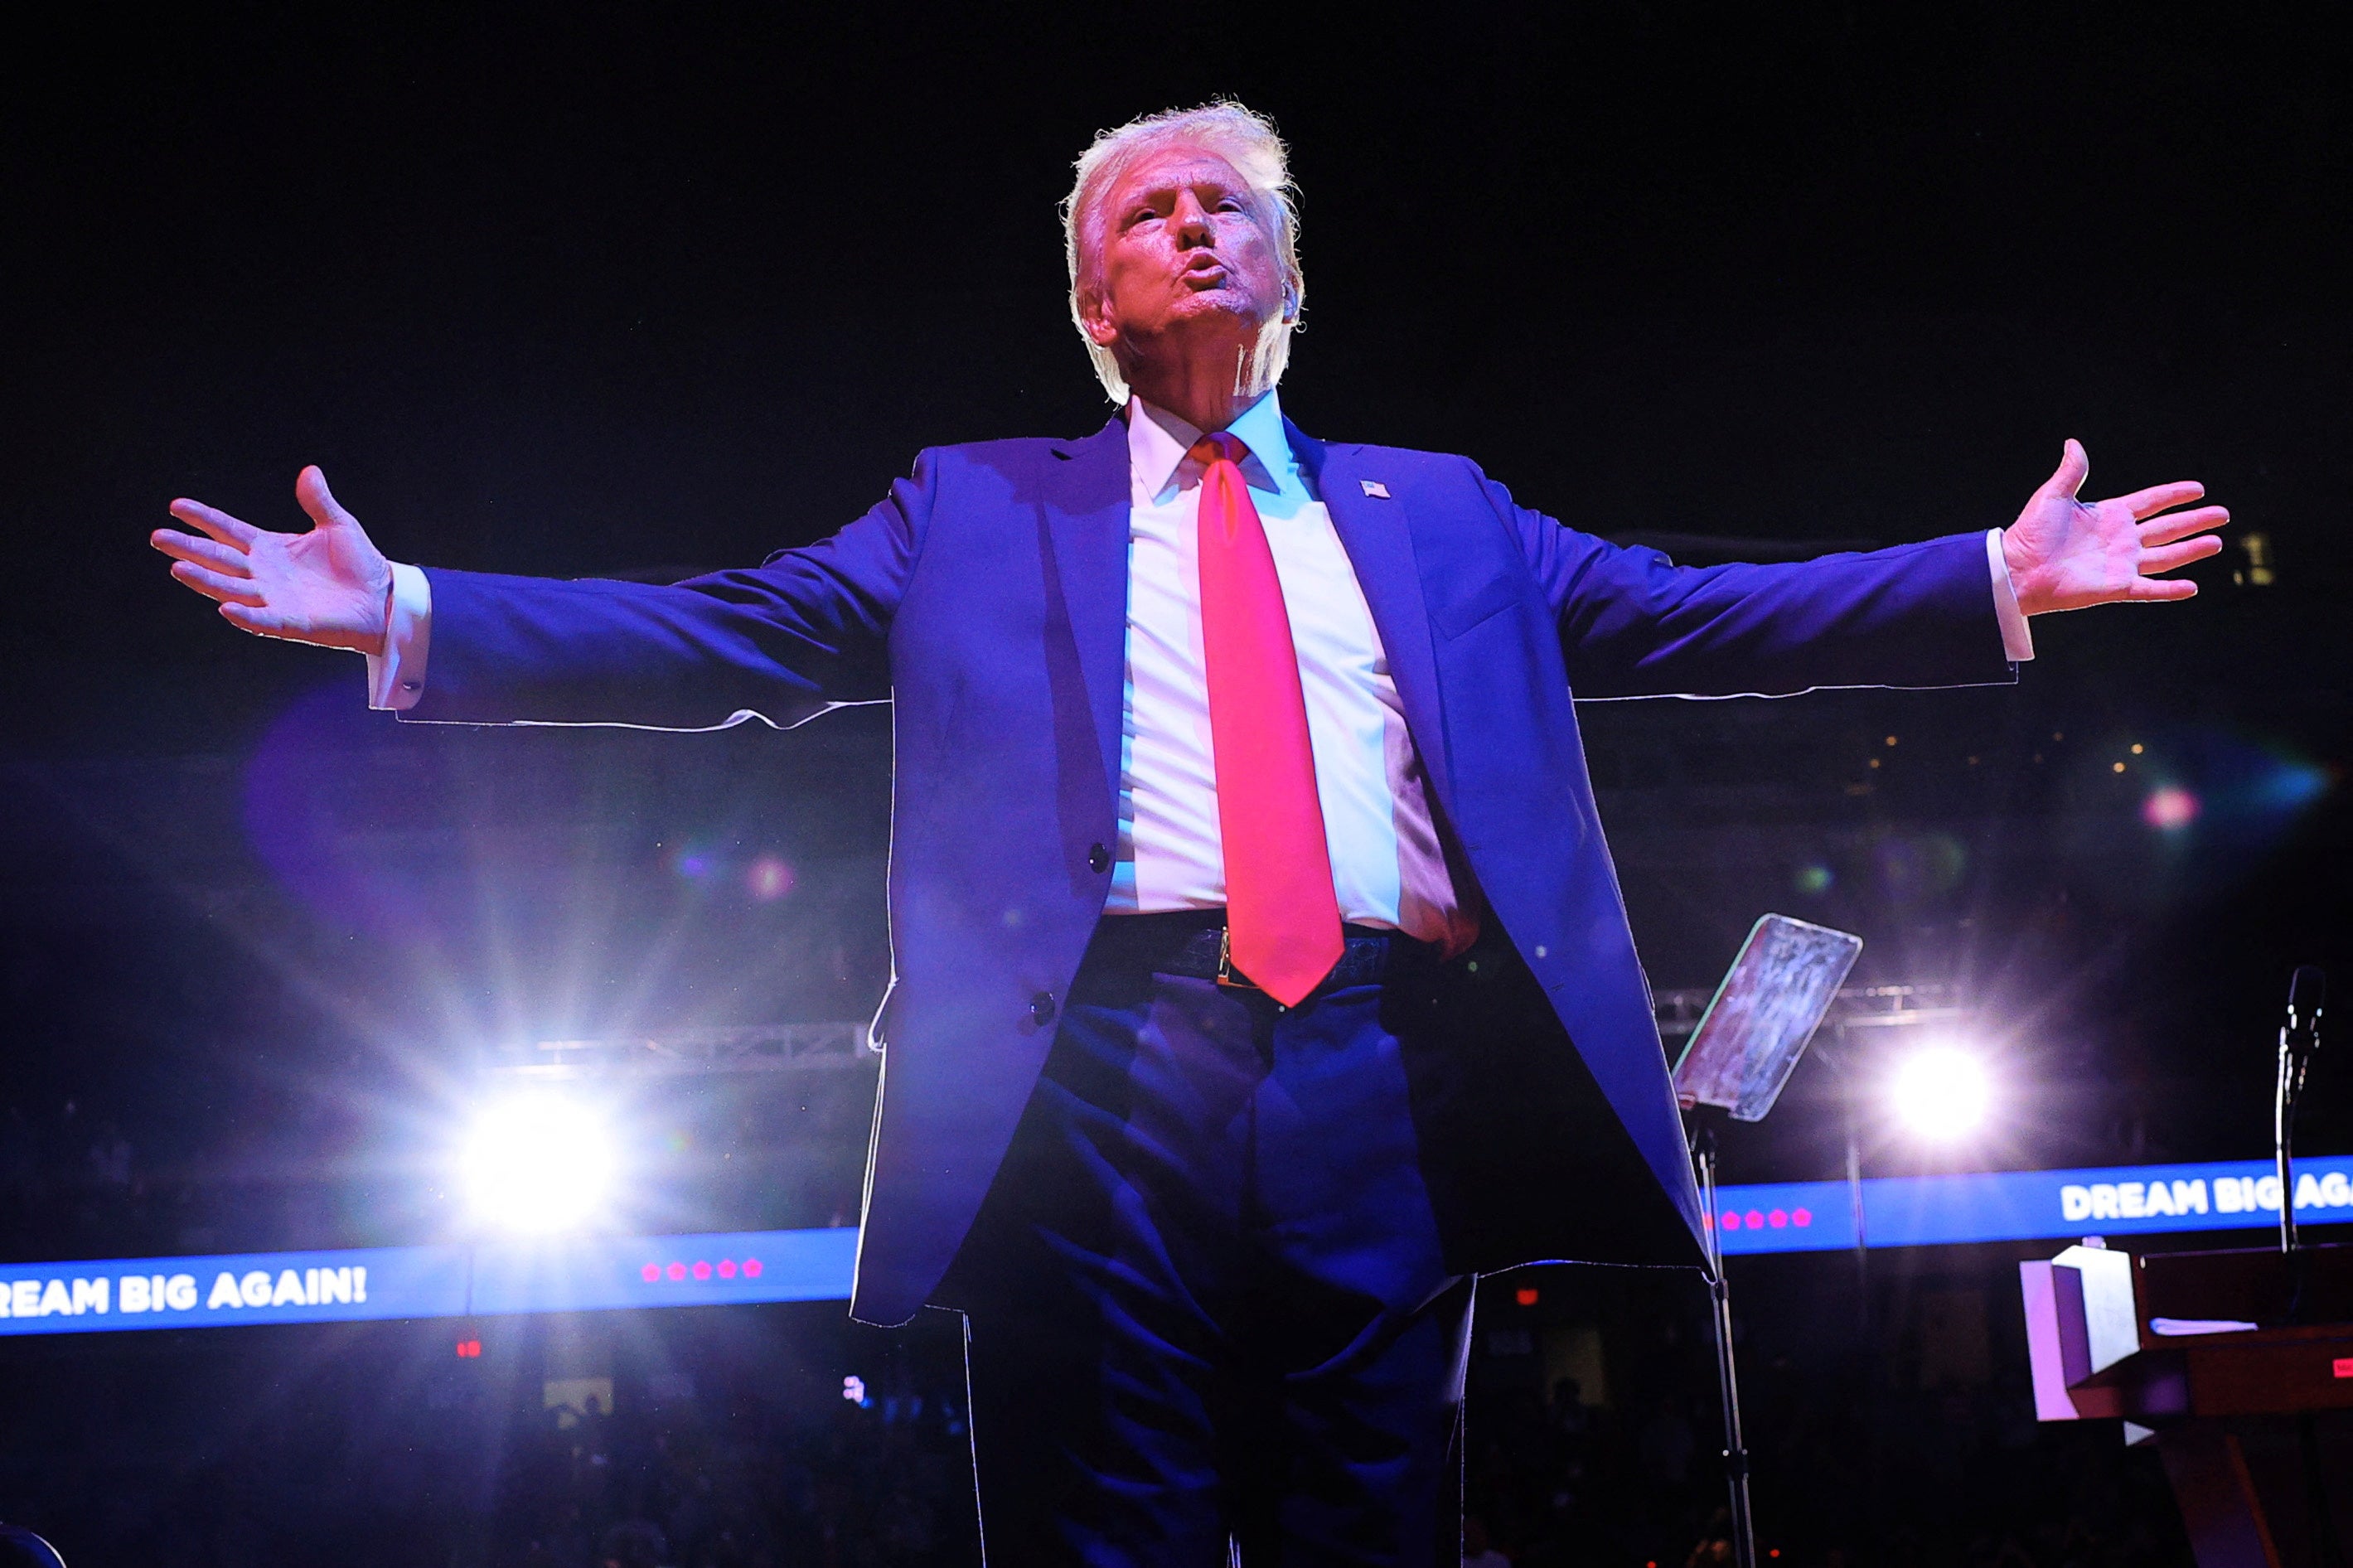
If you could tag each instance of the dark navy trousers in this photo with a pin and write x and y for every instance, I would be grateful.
(1204, 1301)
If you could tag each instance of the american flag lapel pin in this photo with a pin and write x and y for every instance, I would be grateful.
(1375, 488)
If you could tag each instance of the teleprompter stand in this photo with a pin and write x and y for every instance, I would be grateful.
(1746, 1045)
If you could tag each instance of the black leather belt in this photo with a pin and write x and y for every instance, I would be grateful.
(1202, 952)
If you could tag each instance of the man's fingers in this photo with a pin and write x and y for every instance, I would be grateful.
(2181, 525)
(2074, 469)
(310, 489)
(2162, 498)
(215, 521)
(2172, 556)
(259, 622)
(2146, 589)
(226, 559)
(213, 586)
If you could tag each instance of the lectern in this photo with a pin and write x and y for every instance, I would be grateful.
(2237, 1365)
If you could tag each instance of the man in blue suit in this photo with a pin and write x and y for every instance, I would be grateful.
(1262, 976)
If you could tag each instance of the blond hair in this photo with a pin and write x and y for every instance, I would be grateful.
(1244, 138)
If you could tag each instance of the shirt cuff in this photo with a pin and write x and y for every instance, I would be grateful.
(2017, 640)
(396, 676)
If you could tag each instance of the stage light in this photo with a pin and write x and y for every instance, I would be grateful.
(538, 1162)
(1941, 1092)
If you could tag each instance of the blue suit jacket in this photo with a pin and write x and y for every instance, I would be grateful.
(985, 597)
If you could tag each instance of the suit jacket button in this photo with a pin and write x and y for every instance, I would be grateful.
(1042, 1008)
(1098, 858)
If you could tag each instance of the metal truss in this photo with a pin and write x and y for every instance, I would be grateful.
(840, 1043)
(687, 1052)
(1680, 1010)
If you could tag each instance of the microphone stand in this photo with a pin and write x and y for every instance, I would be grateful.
(2299, 1042)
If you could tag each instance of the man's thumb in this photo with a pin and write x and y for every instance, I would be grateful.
(311, 491)
(2074, 469)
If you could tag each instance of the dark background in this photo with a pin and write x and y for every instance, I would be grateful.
(594, 290)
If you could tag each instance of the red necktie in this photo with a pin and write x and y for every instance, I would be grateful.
(1282, 920)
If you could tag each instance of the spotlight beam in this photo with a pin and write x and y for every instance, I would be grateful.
(538, 1162)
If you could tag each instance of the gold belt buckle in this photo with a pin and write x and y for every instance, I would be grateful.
(1226, 975)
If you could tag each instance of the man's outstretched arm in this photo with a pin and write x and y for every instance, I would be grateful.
(781, 641)
(1634, 624)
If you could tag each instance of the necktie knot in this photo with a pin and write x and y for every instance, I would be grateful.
(1220, 444)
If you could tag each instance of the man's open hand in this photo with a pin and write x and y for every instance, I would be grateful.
(327, 586)
(2065, 553)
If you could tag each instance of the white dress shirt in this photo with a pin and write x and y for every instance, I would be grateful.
(1388, 864)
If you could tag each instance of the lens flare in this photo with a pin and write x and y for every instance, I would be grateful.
(768, 879)
(2169, 809)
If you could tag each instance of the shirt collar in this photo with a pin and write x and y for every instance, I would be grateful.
(1158, 441)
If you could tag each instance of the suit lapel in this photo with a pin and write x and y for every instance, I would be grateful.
(1087, 522)
(1374, 531)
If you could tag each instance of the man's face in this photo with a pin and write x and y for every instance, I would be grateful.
(1184, 250)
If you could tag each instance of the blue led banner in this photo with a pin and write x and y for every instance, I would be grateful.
(592, 1275)
(589, 1275)
(571, 1275)
(2024, 1205)
(242, 1287)
(1788, 1217)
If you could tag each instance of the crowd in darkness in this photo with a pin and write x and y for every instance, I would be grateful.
(887, 1485)
(372, 1447)
(369, 1445)
(1846, 1477)
(376, 1450)
(1946, 1480)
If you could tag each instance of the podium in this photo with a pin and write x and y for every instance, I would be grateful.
(2236, 1365)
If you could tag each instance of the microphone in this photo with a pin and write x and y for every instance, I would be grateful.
(2299, 1042)
(2307, 992)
